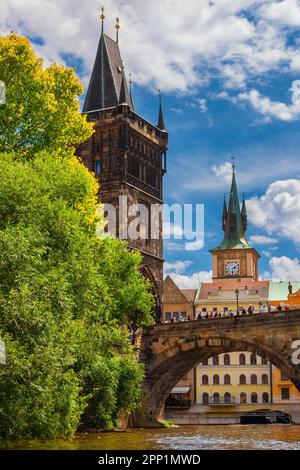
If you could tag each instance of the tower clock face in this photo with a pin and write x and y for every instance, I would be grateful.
(232, 268)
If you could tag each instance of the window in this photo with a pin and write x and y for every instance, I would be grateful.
(176, 316)
(285, 394)
(227, 398)
(216, 398)
(254, 398)
(265, 379)
(253, 379)
(227, 380)
(183, 314)
(205, 380)
(265, 397)
(97, 167)
(226, 359)
(253, 360)
(205, 399)
(284, 377)
(216, 360)
(243, 380)
(243, 398)
(242, 360)
(168, 316)
(264, 361)
(216, 380)
(203, 309)
(205, 362)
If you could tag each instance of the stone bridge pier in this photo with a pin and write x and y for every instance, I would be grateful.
(170, 350)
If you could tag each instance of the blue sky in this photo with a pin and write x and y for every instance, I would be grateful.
(228, 72)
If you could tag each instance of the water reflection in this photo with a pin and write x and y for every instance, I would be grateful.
(185, 438)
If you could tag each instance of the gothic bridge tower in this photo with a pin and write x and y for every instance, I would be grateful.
(126, 152)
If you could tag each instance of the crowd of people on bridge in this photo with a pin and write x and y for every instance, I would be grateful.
(241, 311)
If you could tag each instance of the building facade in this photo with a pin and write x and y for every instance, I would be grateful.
(237, 381)
(232, 379)
(128, 156)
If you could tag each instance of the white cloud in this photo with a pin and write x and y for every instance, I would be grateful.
(284, 269)
(269, 108)
(163, 44)
(278, 210)
(202, 105)
(285, 12)
(262, 240)
(192, 281)
(223, 172)
(177, 269)
(177, 266)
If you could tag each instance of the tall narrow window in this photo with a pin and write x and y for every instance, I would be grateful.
(254, 398)
(253, 360)
(216, 360)
(226, 359)
(227, 380)
(97, 167)
(242, 359)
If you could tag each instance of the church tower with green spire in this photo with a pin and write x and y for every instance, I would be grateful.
(234, 257)
(127, 153)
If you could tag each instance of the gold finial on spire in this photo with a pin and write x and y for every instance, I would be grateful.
(102, 17)
(117, 29)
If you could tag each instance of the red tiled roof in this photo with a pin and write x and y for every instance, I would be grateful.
(231, 285)
(189, 294)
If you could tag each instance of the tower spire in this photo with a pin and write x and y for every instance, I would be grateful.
(161, 122)
(102, 18)
(105, 85)
(117, 29)
(234, 219)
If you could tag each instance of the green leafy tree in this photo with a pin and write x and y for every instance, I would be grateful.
(66, 295)
(42, 107)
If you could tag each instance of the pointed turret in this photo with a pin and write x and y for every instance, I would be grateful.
(244, 214)
(106, 80)
(224, 214)
(123, 97)
(161, 122)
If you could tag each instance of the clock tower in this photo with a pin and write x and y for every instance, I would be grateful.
(234, 258)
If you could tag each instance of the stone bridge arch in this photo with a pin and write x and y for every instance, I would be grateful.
(169, 351)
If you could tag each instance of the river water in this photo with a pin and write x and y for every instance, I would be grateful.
(261, 437)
